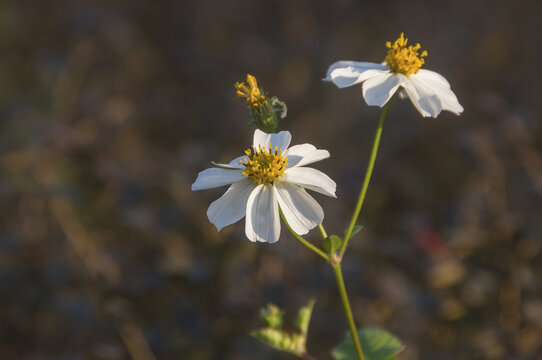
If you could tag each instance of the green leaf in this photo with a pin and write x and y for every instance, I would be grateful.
(273, 337)
(304, 317)
(281, 340)
(332, 243)
(377, 344)
(272, 316)
(355, 230)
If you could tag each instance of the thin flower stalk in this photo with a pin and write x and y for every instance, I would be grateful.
(367, 179)
(302, 240)
(347, 310)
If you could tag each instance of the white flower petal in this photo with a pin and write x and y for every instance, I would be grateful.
(412, 93)
(378, 90)
(216, 177)
(311, 179)
(352, 68)
(345, 78)
(280, 140)
(262, 220)
(234, 164)
(423, 99)
(402, 94)
(301, 211)
(348, 76)
(299, 155)
(260, 138)
(225, 166)
(429, 82)
(433, 76)
(232, 206)
(346, 64)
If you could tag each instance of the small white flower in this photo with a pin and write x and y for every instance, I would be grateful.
(270, 176)
(428, 91)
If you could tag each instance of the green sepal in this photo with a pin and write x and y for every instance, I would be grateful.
(279, 107)
(377, 344)
(332, 243)
(303, 317)
(264, 117)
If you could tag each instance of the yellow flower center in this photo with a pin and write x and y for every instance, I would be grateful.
(254, 96)
(403, 59)
(264, 167)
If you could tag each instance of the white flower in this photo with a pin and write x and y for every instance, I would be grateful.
(270, 176)
(428, 91)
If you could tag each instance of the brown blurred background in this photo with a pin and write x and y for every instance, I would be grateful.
(109, 110)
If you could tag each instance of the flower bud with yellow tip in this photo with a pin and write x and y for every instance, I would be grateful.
(265, 111)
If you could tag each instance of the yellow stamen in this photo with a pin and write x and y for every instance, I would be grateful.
(253, 95)
(263, 166)
(403, 59)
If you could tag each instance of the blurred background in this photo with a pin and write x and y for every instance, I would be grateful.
(109, 110)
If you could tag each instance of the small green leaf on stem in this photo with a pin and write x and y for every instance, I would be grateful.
(332, 243)
(377, 344)
(355, 230)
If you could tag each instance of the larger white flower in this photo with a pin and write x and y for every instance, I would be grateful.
(269, 176)
(428, 91)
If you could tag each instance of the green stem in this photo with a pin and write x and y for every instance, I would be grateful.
(366, 181)
(303, 241)
(322, 231)
(347, 309)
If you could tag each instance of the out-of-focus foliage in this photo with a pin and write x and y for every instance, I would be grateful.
(275, 335)
(377, 344)
(110, 109)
